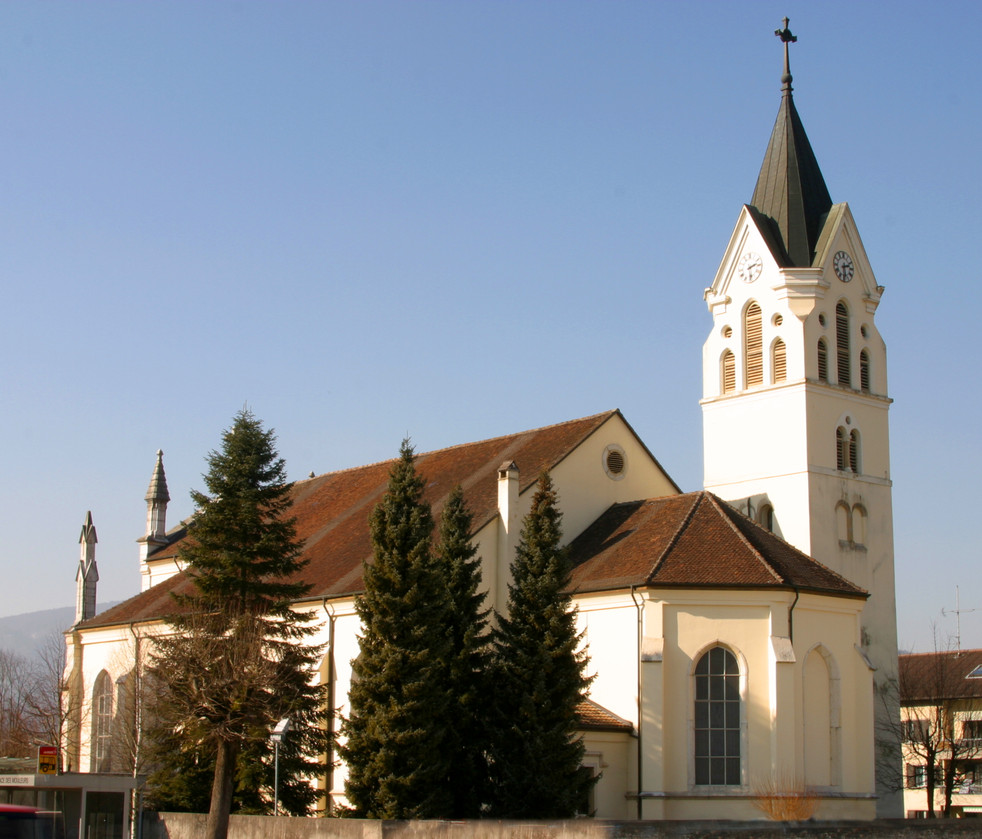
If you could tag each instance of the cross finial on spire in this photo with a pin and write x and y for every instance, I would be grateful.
(786, 38)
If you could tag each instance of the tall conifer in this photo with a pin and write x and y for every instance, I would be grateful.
(397, 733)
(467, 629)
(237, 661)
(539, 677)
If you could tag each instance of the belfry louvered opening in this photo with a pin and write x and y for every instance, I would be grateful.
(753, 345)
(843, 372)
(728, 364)
(779, 361)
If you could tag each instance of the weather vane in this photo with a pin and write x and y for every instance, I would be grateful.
(786, 38)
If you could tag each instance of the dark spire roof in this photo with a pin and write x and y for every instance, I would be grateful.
(791, 191)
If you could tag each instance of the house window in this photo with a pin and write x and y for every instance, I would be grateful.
(914, 730)
(102, 721)
(972, 730)
(823, 361)
(843, 373)
(729, 372)
(864, 371)
(717, 719)
(779, 361)
(753, 345)
(916, 776)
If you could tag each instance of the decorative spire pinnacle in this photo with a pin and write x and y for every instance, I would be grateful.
(787, 38)
(157, 498)
(88, 574)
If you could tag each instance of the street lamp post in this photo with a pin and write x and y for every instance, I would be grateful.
(278, 736)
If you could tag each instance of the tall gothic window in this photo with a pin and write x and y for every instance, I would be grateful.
(717, 719)
(864, 371)
(843, 364)
(729, 372)
(854, 452)
(823, 360)
(779, 361)
(102, 722)
(753, 345)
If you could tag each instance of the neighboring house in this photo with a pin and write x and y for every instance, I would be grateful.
(941, 727)
(727, 660)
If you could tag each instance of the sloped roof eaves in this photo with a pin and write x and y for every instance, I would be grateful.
(930, 677)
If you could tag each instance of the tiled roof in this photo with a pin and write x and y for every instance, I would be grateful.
(332, 510)
(594, 717)
(692, 540)
(928, 677)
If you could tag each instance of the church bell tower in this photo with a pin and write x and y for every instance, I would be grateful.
(795, 402)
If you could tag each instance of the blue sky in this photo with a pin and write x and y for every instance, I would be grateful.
(451, 220)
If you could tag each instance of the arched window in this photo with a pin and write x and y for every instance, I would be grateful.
(823, 360)
(753, 345)
(779, 361)
(841, 449)
(728, 372)
(859, 524)
(102, 722)
(717, 719)
(842, 372)
(854, 452)
(864, 371)
(765, 517)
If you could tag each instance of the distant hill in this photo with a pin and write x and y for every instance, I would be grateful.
(26, 634)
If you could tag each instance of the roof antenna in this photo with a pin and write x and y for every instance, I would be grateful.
(787, 38)
(957, 612)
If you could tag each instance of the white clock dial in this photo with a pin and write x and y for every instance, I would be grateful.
(750, 266)
(844, 268)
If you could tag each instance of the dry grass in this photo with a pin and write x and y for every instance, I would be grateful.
(784, 798)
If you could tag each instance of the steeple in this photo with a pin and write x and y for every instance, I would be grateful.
(88, 574)
(157, 498)
(791, 191)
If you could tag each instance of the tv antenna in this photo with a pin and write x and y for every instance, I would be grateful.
(957, 612)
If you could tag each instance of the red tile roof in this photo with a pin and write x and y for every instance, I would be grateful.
(332, 510)
(692, 540)
(929, 677)
(594, 717)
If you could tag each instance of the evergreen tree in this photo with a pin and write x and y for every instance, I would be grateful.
(237, 662)
(539, 677)
(467, 630)
(397, 733)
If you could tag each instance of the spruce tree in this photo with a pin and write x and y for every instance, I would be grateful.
(467, 630)
(237, 661)
(539, 677)
(397, 732)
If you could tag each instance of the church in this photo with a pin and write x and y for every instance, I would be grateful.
(742, 638)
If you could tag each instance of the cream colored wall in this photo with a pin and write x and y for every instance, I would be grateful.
(611, 756)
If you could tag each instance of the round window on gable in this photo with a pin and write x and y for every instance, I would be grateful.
(864, 331)
(727, 332)
(777, 320)
(615, 462)
(821, 319)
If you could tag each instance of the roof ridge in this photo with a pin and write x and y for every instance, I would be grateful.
(716, 502)
(683, 526)
(605, 414)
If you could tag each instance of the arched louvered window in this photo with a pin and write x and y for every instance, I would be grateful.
(728, 371)
(102, 722)
(864, 371)
(753, 345)
(823, 361)
(854, 452)
(843, 365)
(717, 719)
(779, 361)
(841, 449)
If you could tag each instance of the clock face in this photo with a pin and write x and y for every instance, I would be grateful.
(843, 266)
(750, 266)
